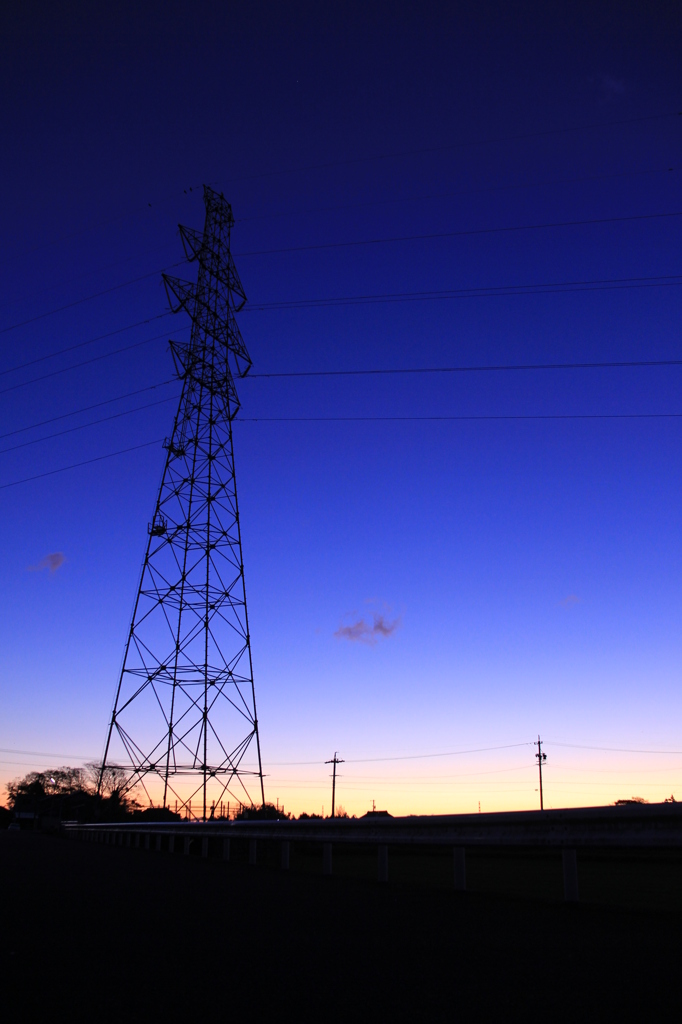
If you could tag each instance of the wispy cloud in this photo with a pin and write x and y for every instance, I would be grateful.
(569, 600)
(364, 632)
(50, 562)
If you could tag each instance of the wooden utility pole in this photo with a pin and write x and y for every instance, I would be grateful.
(334, 760)
(541, 758)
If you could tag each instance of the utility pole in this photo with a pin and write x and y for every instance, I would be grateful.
(541, 758)
(334, 760)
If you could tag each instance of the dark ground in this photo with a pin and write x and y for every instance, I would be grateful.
(101, 933)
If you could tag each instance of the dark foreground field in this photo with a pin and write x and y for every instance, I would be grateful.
(100, 933)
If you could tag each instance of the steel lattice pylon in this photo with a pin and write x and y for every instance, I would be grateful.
(185, 707)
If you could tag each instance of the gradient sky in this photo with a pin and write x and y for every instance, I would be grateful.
(531, 568)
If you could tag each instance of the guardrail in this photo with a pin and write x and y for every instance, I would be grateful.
(635, 826)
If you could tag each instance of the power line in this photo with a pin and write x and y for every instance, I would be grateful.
(493, 290)
(483, 291)
(94, 271)
(82, 344)
(76, 465)
(615, 750)
(436, 419)
(93, 423)
(490, 291)
(459, 234)
(407, 757)
(88, 298)
(481, 368)
(337, 245)
(85, 362)
(455, 145)
(381, 156)
(45, 753)
(345, 373)
(365, 419)
(87, 408)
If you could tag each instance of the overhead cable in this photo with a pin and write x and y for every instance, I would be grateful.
(76, 465)
(354, 160)
(87, 408)
(408, 757)
(633, 363)
(485, 291)
(597, 284)
(614, 750)
(473, 368)
(88, 298)
(437, 419)
(432, 236)
(82, 344)
(364, 419)
(342, 245)
(85, 362)
(92, 423)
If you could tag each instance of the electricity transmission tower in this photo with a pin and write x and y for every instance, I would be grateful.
(184, 724)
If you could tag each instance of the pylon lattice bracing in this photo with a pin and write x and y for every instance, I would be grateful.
(184, 725)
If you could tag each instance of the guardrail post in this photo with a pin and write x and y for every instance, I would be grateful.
(460, 866)
(147, 840)
(204, 847)
(171, 843)
(186, 846)
(570, 866)
(284, 853)
(253, 849)
(226, 848)
(382, 863)
(326, 858)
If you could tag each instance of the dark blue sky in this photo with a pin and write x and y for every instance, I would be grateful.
(531, 567)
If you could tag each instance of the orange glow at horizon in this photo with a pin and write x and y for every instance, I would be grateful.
(448, 784)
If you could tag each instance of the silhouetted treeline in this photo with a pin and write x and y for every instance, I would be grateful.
(48, 798)
(267, 812)
(71, 794)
